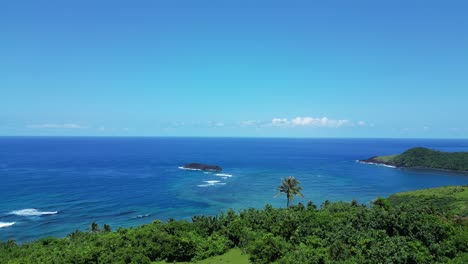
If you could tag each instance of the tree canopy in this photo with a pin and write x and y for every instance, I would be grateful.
(427, 158)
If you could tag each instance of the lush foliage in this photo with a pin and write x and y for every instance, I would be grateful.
(428, 158)
(451, 201)
(394, 230)
(233, 256)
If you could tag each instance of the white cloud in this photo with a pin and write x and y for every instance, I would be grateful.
(311, 121)
(58, 126)
(319, 122)
(299, 121)
(279, 121)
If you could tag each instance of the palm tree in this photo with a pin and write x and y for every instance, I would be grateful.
(107, 228)
(94, 227)
(290, 186)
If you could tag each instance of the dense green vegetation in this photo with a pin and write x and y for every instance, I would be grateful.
(451, 200)
(428, 226)
(233, 256)
(428, 158)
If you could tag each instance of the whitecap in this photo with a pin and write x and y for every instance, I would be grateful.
(223, 175)
(211, 183)
(4, 224)
(142, 216)
(378, 164)
(183, 168)
(208, 185)
(32, 212)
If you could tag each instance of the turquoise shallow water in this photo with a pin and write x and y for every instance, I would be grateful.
(53, 186)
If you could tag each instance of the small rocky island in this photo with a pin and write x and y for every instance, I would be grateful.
(424, 158)
(201, 166)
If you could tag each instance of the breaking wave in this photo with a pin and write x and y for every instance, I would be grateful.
(4, 224)
(142, 216)
(211, 183)
(223, 175)
(378, 164)
(32, 212)
(183, 168)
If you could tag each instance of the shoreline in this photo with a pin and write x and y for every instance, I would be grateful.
(388, 165)
(378, 164)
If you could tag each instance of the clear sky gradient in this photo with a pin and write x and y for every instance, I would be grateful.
(234, 68)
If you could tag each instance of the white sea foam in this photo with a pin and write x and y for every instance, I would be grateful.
(211, 183)
(223, 175)
(143, 216)
(32, 212)
(388, 166)
(3, 224)
(183, 168)
(378, 164)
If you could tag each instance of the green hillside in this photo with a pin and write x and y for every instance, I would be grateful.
(426, 158)
(448, 200)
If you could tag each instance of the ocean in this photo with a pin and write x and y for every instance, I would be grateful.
(52, 186)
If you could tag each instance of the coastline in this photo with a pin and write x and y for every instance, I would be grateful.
(176, 241)
(377, 164)
(389, 165)
(65, 181)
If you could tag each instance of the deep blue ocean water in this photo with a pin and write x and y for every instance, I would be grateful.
(53, 186)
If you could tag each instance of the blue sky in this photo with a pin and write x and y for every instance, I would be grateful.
(234, 68)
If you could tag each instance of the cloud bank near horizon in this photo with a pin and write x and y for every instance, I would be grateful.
(299, 121)
(57, 126)
(308, 121)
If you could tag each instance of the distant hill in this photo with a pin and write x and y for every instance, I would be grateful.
(425, 158)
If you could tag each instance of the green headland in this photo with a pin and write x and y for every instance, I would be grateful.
(425, 158)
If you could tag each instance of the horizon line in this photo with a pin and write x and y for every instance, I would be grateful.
(220, 137)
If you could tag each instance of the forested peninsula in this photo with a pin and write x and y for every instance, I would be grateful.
(425, 226)
(424, 158)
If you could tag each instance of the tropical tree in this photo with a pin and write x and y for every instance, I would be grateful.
(94, 227)
(107, 228)
(290, 186)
